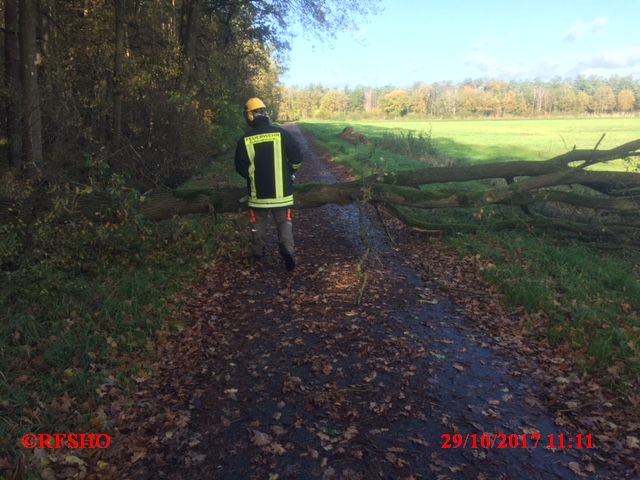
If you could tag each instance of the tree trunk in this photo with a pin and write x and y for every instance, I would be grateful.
(12, 80)
(188, 28)
(30, 89)
(510, 170)
(45, 26)
(117, 73)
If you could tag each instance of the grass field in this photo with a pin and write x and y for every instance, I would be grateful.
(504, 140)
(591, 297)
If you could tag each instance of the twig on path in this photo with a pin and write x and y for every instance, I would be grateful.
(384, 225)
(363, 286)
(362, 274)
(585, 405)
(478, 293)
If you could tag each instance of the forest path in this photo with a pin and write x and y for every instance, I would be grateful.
(290, 376)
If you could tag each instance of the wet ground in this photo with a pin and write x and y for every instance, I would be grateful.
(355, 366)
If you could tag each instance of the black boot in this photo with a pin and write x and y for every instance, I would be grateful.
(289, 261)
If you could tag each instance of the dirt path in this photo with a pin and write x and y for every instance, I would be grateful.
(281, 376)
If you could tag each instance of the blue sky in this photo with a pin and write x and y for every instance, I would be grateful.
(451, 40)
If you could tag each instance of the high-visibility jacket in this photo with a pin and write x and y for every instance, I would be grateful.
(267, 156)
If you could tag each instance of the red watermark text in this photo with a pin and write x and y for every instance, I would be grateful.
(66, 440)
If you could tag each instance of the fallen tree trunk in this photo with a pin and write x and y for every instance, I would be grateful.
(535, 182)
(528, 183)
(165, 205)
(510, 170)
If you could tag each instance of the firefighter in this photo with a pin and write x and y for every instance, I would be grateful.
(268, 156)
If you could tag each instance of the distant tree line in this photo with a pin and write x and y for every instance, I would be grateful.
(471, 98)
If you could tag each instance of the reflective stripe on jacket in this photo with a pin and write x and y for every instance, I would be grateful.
(267, 156)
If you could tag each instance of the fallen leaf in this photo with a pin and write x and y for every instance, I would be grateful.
(350, 433)
(395, 450)
(276, 448)
(99, 420)
(48, 474)
(73, 460)
(196, 459)
(231, 393)
(419, 441)
(633, 442)
(65, 403)
(575, 468)
(260, 439)
(530, 430)
(396, 461)
(371, 376)
(138, 454)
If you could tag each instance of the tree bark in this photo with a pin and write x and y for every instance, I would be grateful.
(117, 72)
(30, 89)
(13, 80)
(509, 170)
(45, 26)
(188, 31)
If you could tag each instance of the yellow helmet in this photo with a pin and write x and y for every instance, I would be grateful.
(254, 108)
(254, 104)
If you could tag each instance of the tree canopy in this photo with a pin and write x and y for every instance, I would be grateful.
(147, 90)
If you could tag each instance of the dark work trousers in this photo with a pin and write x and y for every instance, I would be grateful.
(259, 218)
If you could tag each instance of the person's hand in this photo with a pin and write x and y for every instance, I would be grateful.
(293, 178)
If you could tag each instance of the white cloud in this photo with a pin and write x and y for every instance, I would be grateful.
(505, 70)
(582, 29)
(620, 61)
(613, 58)
(483, 61)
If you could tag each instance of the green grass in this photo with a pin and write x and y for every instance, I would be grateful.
(362, 159)
(86, 303)
(505, 140)
(591, 298)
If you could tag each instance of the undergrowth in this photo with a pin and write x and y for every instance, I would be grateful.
(79, 299)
